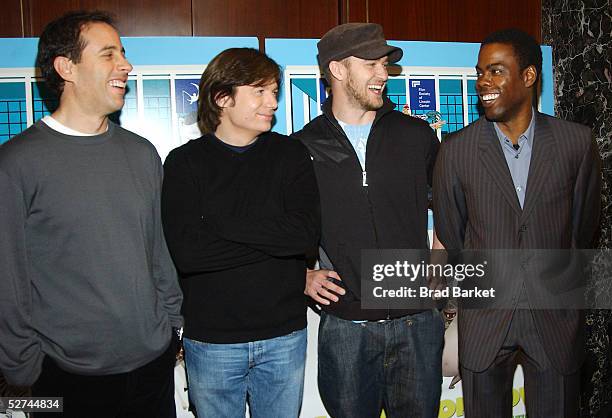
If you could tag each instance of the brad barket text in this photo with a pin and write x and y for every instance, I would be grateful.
(426, 292)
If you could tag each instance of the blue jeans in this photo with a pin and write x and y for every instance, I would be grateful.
(396, 364)
(270, 372)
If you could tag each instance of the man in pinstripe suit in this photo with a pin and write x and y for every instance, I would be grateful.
(520, 180)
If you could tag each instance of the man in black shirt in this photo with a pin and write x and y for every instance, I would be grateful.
(240, 210)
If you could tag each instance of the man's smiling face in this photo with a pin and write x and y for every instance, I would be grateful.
(102, 71)
(366, 81)
(503, 88)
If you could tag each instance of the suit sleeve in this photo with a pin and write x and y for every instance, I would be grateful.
(20, 353)
(449, 206)
(431, 155)
(296, 231)
(194, 247)
(587, 198)
(166, 279)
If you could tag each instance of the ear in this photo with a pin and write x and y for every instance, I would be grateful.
(64, 67)
(224, 101)
(530, 75)
(337, 70)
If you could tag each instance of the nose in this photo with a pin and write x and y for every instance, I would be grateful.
(483, 81)
(124, 65)
(272, 100)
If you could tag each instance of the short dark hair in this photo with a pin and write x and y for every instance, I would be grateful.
(232, 68)
(327, 75)
(526, 48)
(62, 38)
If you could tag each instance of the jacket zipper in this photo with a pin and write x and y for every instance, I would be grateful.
(370, 205)
(364, 178)
(364, 184)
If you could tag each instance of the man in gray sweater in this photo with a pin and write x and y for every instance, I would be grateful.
(88, 293)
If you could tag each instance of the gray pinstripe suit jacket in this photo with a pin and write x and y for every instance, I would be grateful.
(476, 207)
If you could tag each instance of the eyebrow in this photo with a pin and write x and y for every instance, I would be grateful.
(491, 65)
(111, 48)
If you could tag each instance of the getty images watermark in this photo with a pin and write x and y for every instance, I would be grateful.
(486, 279)
(430, 279)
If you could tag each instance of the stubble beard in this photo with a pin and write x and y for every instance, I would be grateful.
(361, 98)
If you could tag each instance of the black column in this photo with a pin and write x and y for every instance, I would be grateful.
(579, 32)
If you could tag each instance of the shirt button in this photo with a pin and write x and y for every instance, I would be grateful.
(519, 189)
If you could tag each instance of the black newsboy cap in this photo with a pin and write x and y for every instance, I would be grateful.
(361, 40)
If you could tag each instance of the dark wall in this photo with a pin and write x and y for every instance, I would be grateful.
(11, 19)
(135, 17)
(435, 20)
(445, 20)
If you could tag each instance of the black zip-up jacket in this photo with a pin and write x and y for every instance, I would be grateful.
(389, 213)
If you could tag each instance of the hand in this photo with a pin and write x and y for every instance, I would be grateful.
(320, 288)
(438, 257)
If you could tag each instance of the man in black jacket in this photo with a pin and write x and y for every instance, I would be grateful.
(373, 167)
(240, 209)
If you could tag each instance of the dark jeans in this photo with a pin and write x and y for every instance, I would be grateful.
(147, 391)
(396, 364)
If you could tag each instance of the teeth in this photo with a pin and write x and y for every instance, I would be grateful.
(117, 83)
(490, 96)
(375, 87)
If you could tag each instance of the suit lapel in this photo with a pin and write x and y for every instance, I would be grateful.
(541, 162)
(492, 158)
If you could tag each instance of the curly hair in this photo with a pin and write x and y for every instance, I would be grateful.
(62, 38)
(232, 68)
(526, 48)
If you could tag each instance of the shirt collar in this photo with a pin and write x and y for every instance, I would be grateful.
(525, 136)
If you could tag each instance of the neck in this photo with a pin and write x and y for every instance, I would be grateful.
(75, 117)
(349, 112)
(515, 127)
(234, 137)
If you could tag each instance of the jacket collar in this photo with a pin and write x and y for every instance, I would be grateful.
(387, 107)
(492, 158)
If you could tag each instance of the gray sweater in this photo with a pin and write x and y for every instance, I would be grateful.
(85, 274)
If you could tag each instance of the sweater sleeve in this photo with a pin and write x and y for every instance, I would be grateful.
(296, 231)
(193, 245)
(20, 353)
(166, 279)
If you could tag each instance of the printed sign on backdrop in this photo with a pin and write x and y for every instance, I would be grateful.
(187, 93)
(422, 94)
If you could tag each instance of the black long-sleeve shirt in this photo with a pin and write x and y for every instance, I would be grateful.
(238, 226)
